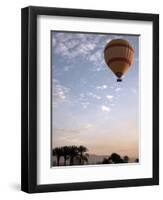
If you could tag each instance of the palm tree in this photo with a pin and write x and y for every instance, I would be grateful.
(58, 153)
(83, 156)
(65, 153)
(73, 152)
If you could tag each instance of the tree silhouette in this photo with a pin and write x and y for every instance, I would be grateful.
(106, 161)
(73, 152)
(126, 159)
(83, 156)
(79, 155)
(58, 153)
(65, 153)
(115, 158)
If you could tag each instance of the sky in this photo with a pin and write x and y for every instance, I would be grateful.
(89, 107)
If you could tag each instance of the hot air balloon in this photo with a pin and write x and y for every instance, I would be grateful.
(119, 56)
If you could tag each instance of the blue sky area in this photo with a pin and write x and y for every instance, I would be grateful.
(89, 107)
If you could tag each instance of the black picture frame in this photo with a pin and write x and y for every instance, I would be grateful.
(29, 99)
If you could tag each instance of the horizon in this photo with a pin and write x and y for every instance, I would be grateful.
(92, 159)
(96, 154)
(89, 107)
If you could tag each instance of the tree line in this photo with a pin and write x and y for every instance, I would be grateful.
(78, 155)
(70, 153)
(115, 158)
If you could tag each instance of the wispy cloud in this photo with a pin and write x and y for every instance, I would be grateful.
(87, 126)
(105, 108)
(60, 92)
(84, 46)
(118, 89)
(66, 68)
(71, 135)
(109, 97)
(72, 45)
(85, 104)
(102, 87)
(82, 95)
(94, 95)
(96, 57)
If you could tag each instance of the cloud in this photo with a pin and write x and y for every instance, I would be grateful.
(60, 92)
(71, 45)
(96, 57)
(85, 104)
(109, 97)
(66, 68)
(93, 95)
(118, 89)
(105, 108)
(82, 98)
(82, 46)
(70, 134)
(85, 98)
(102, 87)
(73, 131)
(87, 126)
(82, 95)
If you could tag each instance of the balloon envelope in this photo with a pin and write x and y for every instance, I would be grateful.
(119, 56)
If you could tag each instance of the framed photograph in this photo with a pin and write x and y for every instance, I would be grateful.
(90, 99)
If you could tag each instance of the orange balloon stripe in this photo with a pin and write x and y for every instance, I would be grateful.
(119, 45)
(118, 67)
(115, 59)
